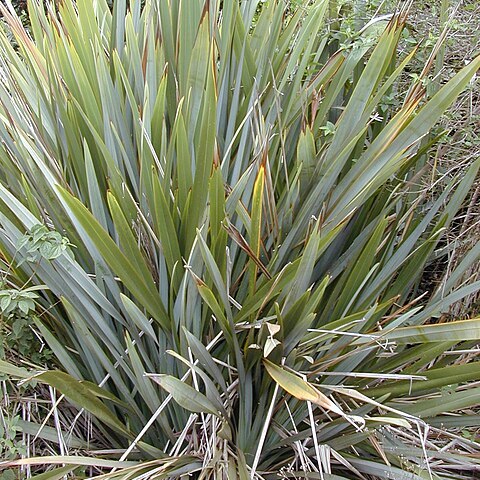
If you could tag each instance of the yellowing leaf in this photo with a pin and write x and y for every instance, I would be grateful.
(300, 388)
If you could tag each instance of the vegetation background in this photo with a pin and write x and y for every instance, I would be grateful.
(35, 414)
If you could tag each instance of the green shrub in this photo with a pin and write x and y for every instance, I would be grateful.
(248, 233)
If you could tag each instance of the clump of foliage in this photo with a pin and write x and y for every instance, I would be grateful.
(9, 446)
(17, 304)
(243, 299)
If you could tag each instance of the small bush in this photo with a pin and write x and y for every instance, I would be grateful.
(244, 298)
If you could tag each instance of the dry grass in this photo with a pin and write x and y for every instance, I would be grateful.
(461, 144)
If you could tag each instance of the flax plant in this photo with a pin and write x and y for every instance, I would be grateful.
(236, 292)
